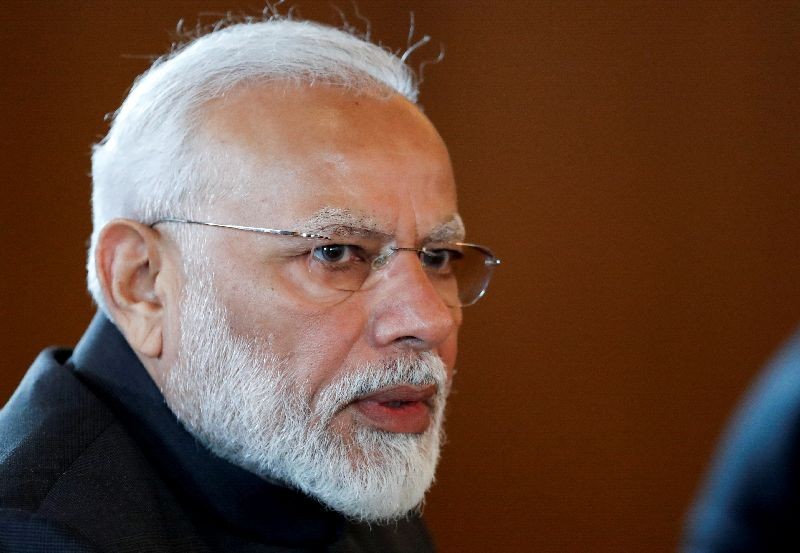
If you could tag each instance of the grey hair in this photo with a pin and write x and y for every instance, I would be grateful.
(152, 165)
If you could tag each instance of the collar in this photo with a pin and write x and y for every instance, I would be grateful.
(209, 485)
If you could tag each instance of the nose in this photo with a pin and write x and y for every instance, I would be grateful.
(408, 312)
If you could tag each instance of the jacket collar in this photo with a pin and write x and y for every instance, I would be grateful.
(208, 484)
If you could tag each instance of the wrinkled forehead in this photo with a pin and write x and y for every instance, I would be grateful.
(309, 156)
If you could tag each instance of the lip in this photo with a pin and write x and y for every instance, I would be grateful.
(399, 409)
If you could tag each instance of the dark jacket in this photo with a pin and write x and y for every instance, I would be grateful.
(91, 459)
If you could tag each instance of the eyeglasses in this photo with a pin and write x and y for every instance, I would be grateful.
(340, 262)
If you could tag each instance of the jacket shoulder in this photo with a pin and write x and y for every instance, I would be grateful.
(69, 468)
(46, 425)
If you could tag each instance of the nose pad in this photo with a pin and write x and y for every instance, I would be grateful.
(383, 259)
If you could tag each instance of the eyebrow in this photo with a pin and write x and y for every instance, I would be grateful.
(336, 220)
(342, 221)
(451, 231)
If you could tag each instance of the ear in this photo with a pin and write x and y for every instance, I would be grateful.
(130, 261)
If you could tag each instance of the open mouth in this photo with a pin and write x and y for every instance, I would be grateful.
(401, 409)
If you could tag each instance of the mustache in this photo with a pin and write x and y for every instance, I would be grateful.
(424, 369)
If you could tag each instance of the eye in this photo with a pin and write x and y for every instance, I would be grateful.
(336, 254)
(439, 260)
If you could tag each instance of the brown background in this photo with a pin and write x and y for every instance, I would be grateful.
(633, 163)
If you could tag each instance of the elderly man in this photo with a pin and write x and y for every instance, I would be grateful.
(280, 269)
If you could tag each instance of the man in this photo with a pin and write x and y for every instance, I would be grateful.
(280, 269)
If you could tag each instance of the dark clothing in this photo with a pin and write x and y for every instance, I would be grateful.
(751, 500)
(92, 459)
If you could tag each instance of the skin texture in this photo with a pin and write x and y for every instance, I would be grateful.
(297, 153)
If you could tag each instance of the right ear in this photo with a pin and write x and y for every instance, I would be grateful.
(136, 282)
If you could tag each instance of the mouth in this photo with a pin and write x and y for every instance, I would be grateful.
(399, 409)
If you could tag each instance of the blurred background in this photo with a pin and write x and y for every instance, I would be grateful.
(634, 164)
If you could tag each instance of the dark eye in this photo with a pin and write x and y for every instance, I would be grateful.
(336, 254)
(330, 254)
(439, 260)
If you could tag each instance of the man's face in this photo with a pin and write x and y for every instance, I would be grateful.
(320, 159)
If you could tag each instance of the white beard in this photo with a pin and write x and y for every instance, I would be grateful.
(248, 406)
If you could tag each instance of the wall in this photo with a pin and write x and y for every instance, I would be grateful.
(633, 163)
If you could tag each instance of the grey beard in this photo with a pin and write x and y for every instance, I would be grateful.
(242, 402)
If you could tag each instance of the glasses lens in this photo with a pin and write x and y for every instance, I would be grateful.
(460, 272)
(472, 272)
(341, 263)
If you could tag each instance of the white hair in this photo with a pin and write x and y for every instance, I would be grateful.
(152, 163)
(250, 406)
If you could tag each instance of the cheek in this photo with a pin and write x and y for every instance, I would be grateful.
(448, 351)
(315, 342)
(323, 345)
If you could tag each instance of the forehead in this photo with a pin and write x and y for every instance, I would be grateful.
(295, 151)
